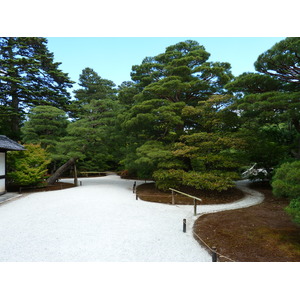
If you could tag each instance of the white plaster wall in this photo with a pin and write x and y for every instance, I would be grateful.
(2, 163)
(2, 172)
(2, 186)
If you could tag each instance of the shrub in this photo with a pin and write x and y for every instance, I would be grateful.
(213, 180)
(293, 209)
(28, 167)
(286, 183)
(286, 180)
(165, 179)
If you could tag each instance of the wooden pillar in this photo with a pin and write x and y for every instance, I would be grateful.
(195, 207)
(3, 172)
(75, 175)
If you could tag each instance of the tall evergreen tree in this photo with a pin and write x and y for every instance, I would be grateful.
(268, 103)
(91, 136)
(28, 77)
(172, 85)
(93, 87)
(46, 125)
(282, 61)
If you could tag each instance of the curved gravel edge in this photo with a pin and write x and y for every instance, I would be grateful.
(251, 198)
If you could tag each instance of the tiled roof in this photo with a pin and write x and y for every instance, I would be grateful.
(8, 144)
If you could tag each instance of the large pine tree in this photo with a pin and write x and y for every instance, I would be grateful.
(168, 113)
(28, 77)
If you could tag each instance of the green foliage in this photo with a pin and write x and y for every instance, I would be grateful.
(92, 137)
(253, 83)
(214, 160)
(29, 77)
(182, 120)
(28, 167)
(282, 60)
(181, 94)
(286, 180)
(165, 179)
(154, 119)
(45, 125)
(269, 107)
(126, 93)
(93, 87)
(213, 180)
(7, 115)
(181, 73)
(154, 155)
(266, 146)
(293, 209)
(216, 152)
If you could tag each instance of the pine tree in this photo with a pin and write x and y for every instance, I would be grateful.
(166, 110)
(28, 77)
(93, 87)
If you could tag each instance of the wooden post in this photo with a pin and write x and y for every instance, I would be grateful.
(184, 225)
(173, 198)
(134, 187)
(193, 197)
(214, 254)
(75, 175)
(136, 197)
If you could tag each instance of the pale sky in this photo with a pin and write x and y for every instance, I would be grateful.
(113, 57)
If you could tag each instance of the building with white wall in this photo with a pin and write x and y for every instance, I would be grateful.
(6, 144)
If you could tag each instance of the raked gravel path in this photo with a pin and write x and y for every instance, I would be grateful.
(102, 221)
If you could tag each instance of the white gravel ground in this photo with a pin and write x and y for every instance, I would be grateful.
(102, 221)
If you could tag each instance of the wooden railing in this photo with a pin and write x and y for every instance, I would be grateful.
(187, 195)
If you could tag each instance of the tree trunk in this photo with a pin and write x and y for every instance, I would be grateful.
(296, 124)
(13, 91)
(61, 170)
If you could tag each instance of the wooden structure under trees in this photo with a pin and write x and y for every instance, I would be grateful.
(6, 144)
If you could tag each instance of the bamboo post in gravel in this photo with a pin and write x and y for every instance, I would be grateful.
(195, 207)
(184, 225)
(173, 198)
(214, 254)
(134, 187)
